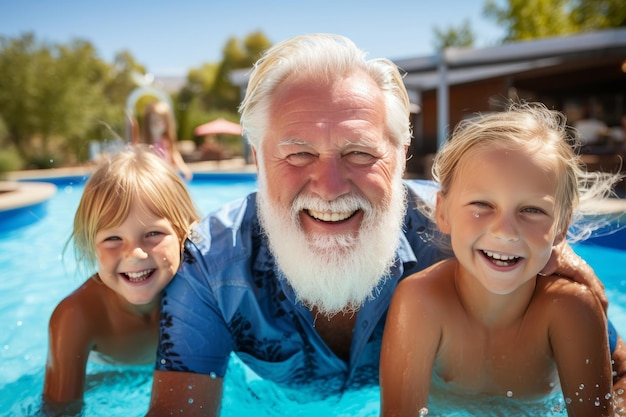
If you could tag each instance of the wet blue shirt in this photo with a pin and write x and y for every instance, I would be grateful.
(228, 296)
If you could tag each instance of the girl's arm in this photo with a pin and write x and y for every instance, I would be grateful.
(180, 164)
(409, 347)
(578, 336)
(70, 338)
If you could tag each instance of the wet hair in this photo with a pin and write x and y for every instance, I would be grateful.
(321, 58)
(160, 109)
(533, 128)
(133, 175)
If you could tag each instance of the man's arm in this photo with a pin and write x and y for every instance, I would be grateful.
(185, 393)
(565, 262)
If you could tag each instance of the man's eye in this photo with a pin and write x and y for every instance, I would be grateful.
(360, 158)
(300, 158)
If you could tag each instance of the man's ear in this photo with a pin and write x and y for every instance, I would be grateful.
(256, 161)
(441, 215)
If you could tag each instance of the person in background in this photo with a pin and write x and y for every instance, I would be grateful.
(130, 224)
(485, 323)
(591, 131)
(296, 278)
(159, 131)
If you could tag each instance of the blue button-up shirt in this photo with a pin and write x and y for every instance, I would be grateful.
(228, 296)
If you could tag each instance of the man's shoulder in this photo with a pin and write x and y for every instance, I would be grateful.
(227, 239)
(236, 217)
(424, 190)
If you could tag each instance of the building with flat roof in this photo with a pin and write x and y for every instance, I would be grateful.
(583, 75)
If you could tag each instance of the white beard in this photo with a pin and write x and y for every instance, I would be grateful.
(335, 273)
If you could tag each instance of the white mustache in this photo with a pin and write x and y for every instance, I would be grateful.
(342, 204)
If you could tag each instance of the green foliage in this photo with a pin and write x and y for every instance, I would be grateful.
(531, 19)
(598, 14)
(54, 99)
(454, 37)
(211, 82)
(57, 98)
(9, 161)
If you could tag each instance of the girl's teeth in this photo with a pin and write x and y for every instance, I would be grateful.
(138, 276)
(500, 256)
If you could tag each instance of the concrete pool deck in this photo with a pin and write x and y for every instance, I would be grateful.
(16, 193)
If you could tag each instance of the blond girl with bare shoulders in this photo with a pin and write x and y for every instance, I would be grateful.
(130, 225)
(485, 324)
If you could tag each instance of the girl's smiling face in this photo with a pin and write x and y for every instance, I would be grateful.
(139, 257)
(501, 213)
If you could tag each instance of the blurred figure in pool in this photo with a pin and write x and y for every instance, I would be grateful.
(297, 278)
(494, 327)
(159, 131)
(130, 225)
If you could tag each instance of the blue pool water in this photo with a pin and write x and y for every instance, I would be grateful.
(36, 274)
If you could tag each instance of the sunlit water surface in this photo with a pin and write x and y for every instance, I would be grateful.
(36, 274)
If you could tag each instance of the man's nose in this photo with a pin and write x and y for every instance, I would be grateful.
(330, 178)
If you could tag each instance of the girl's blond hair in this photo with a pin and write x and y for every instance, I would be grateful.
(534, 128)
(130, 176)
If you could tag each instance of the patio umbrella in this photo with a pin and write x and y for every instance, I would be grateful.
(216, 127)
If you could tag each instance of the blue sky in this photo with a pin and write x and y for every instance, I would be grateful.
(169, 37)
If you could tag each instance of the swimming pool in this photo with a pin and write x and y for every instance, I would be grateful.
(37, 274)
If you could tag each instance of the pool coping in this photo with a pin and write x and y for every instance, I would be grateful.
(24, 189)
(17, 195)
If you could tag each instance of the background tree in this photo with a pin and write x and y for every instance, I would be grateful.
(54, 99)
(209, 94)
(531, 19)
(461, 36)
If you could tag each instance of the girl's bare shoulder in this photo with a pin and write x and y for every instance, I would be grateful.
(431, 283)
(84, 304)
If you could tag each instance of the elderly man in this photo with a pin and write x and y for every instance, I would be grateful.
(297, 278)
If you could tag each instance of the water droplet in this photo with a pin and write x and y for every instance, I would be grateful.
(213, 375)
(19, 322)
(581, 386)
(189, 386)
(509, 394)
(608, 396)
(423, 412)
(597, 402)
(163, 361)
(190, 401)
(476, 215)
(568, 401)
